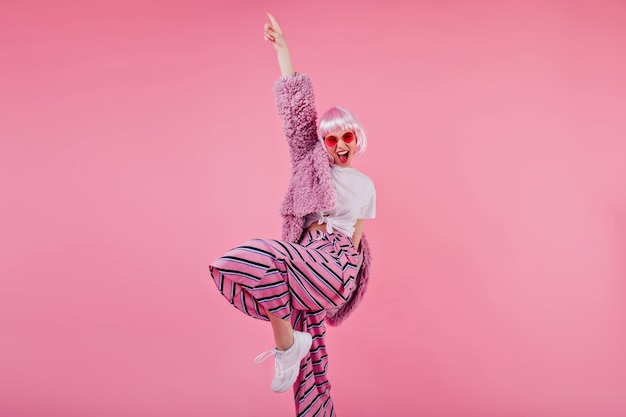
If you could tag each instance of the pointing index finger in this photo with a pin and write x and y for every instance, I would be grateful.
(275, 25)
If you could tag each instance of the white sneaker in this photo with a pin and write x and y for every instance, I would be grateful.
(287, 362)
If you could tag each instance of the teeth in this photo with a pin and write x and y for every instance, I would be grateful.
(342, 153)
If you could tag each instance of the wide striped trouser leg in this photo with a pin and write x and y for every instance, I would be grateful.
(277, 276)
(312, 388)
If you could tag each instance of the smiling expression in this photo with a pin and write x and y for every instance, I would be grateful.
(341, 145)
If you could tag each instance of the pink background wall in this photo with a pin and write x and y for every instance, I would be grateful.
(137, 139)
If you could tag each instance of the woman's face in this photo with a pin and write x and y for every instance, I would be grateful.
(341, 145)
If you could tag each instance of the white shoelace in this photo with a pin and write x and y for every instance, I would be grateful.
(278, 365)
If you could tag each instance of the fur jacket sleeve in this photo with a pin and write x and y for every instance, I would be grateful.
(310, 187)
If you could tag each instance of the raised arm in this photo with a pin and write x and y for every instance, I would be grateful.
(294, 97)
(274, 34)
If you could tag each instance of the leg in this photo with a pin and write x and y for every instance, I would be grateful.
(277, 277)
(312, 387)
(291, 348)
(272, 280)
(283, 331)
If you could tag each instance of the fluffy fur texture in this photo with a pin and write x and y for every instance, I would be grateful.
(311, 187)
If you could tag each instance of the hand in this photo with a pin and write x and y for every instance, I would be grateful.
(274, 34)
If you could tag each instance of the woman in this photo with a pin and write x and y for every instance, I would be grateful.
(319, 271)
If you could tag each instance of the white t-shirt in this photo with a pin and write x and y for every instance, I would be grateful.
(356, 199)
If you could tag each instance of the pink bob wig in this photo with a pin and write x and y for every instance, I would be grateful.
(338, 118)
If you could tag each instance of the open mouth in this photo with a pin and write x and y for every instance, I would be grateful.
(343, 156)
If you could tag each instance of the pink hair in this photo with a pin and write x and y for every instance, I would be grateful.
(338, 118)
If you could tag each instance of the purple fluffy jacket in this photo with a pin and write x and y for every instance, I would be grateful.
(311, 187)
